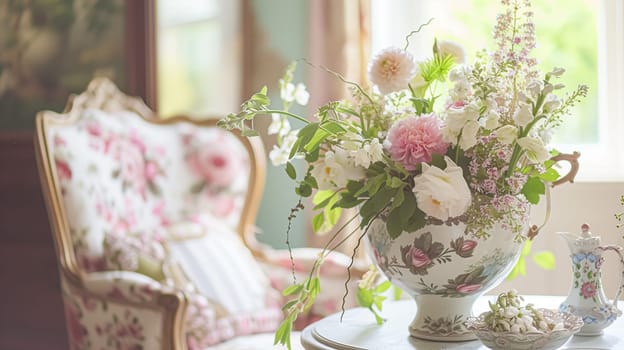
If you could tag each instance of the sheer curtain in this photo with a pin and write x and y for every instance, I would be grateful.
(339, 40)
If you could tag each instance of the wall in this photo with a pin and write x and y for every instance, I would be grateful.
(278, 36)
(573, 205)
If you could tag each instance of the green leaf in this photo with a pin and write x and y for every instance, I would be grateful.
(533, 188)
(396, 292)
(317, 221)
(290, 171)
(545, 260)
(322, 198)
(304, 190)
(416, 221)
(295, 148)
(295, 288)
(364, 297)
(393, 223)
(550, 175)
(518, 269)
(438, 160)
(526, 248)
(347, 201)
(313, 156)
(376, 203)
(332, 215)
(249, 133)
(382, 287)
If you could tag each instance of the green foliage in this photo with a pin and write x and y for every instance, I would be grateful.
(544, 259)
(372, 299)
(533, 188)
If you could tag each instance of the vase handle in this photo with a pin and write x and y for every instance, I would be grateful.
(618, 251)
(574, 166)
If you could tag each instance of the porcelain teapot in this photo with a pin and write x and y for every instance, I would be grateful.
(586, 298)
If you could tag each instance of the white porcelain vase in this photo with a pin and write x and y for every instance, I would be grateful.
(445, 270)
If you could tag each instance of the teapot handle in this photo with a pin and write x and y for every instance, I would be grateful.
(574, 166)
(573, 160)
(618, 251)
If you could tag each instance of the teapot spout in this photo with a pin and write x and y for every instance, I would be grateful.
(570, 238)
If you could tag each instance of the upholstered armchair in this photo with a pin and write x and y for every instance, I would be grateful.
(153, 223)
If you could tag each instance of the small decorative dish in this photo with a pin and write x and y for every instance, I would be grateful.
(531, 340)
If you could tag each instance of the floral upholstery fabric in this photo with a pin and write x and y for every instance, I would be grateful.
(152, 205)
(124, 183)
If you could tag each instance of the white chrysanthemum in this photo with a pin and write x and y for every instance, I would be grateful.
(392, 69)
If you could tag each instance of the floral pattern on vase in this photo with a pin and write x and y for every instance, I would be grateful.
(445, 268)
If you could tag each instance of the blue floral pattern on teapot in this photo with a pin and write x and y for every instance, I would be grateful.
(586, 298)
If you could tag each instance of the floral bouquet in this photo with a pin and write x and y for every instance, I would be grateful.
(434, 141)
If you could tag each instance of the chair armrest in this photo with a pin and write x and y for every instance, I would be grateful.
(124, 310)
(123, 285)
(279, 266)
(334, 266)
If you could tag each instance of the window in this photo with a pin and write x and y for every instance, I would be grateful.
(198, 70)
(584, 36)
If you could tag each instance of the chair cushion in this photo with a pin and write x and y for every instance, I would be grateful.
(233, 296)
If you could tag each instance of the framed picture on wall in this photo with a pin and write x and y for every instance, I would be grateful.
(51, 49)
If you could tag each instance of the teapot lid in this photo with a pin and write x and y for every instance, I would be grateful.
(587, 240)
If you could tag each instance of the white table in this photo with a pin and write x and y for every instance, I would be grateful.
(359, 330)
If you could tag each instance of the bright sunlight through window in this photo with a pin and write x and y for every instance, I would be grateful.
(580, 35)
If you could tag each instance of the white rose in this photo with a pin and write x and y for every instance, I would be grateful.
(442, 193)
(535, 149)
(469, 135)
(507, 134)
(523, 115)
(450, 48)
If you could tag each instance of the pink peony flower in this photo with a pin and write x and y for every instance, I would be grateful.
(413, 140)
(392, 69)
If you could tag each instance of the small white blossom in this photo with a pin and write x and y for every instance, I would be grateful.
(557, 72)
(535, 149)
(551, 103)
(492, 121)
(469, 135)
(507, 134)
(534, 88)
(523, 115)
(290, 93)
(375, 150)
(279, 125)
